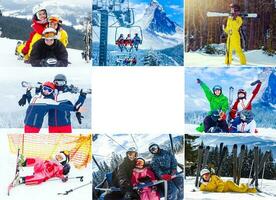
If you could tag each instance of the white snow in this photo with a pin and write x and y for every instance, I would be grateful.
(254, 58)
(268, 189)
(45, 191)
(7, 50)
(267, 133)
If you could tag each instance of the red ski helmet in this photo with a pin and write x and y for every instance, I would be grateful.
(242, 91)
(50, 85)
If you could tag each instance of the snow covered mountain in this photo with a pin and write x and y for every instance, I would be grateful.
(156, 20)
(269, 96)
(72, 14)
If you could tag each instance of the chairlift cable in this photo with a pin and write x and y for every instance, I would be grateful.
(115, 141)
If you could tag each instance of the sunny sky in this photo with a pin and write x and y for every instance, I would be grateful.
(195, 99)
(173, 8)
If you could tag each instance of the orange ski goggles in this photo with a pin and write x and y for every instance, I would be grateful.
(49, 35)
(53, 19)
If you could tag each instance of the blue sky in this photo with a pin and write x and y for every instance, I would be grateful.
(173, 8)
(237, 77)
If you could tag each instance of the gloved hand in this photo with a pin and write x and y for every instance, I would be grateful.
(38, 89)
(25, 97)
(43, 63)
(166, 177)
(198, 80)
(21, 56)
(65, 179)
(255, 82)
(79, 117)
(222, 116)
(21, 160)
(129, 196)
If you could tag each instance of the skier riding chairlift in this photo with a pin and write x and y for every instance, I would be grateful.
(120, 42)
(136, 41)
(128, 41)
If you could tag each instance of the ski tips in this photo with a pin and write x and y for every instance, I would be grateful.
(243, 146)
(235, 146)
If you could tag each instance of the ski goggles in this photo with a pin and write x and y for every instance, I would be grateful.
(139, 162)
(53, 20)
(49, 35)
(154, 149)
(47, 89)
(59, 83)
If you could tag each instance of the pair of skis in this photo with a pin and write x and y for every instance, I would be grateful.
(237, 162)
(203, 155)
(259, 165)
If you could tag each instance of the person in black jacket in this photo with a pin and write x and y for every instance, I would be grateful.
(49, 51)
(121, 178)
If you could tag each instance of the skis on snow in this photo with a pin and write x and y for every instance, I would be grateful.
(237, 162)
(11, 185)
(261, 165)
(240, 163)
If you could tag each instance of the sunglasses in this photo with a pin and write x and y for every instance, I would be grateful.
(47, 89)
(50, 35)
(60, 83)
(154, 149)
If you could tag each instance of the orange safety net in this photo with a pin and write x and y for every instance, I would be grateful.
(46, 146)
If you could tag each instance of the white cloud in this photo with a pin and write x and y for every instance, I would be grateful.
(176, 8)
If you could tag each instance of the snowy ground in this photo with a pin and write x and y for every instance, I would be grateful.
(8, 59)
(23, 192)
(269, 132)
(254, 58)
(268, 188)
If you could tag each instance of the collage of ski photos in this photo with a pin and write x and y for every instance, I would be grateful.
(50, 146)
(230, 99)
(83, 104)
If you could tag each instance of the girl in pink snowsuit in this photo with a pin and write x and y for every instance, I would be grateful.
(46, 169)
(142, 174)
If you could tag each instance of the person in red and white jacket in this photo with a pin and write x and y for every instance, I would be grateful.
(242, 102)
(45, 169)
(39, 24)
(245, 123)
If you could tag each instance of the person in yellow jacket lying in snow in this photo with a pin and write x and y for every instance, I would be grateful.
(233, 42)
(213, 183)
(53, 22)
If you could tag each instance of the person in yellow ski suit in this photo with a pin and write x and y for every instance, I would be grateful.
(213, 183)
(233, 42)
(53, 22)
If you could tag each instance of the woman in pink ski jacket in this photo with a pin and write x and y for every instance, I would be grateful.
(142, 174)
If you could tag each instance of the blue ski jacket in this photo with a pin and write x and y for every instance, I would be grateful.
(163, 163)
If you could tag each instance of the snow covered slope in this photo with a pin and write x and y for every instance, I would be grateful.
(44, 191)
(8, 59)
(268, 188)
(254, 58)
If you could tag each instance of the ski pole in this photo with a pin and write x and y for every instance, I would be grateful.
(76, 188)
(263, 176)
(77, 177)
(250, 171)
